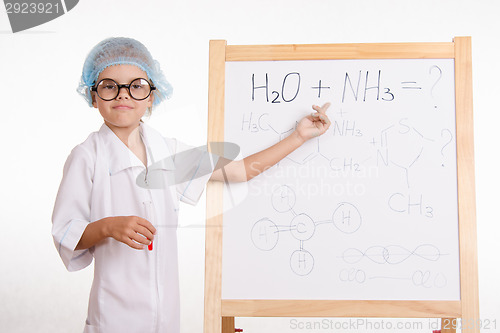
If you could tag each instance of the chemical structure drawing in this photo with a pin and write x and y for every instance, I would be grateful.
(259, 123)
(400, 145)
(265, 233)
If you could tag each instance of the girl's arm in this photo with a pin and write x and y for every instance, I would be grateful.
(243, 170)
(134, 231)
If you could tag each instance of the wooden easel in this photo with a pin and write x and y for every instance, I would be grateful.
(220, 313)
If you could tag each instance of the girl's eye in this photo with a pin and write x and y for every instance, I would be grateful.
(109, 87)
(137, 86)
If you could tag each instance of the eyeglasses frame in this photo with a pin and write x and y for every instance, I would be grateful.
(120, 86)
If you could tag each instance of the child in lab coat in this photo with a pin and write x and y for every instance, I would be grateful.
(119, 196)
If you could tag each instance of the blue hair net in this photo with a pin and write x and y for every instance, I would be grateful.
(122, 51)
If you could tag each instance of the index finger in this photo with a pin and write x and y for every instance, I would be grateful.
(145, 223)
(323, 108)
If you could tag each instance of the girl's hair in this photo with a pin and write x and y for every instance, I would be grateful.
(122, 51)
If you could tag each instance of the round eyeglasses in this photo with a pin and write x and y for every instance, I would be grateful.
(139, 89)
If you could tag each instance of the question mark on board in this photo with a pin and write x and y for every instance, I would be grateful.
(448, 142)
(435, 83)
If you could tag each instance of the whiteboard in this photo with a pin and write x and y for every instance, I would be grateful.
(368, 211)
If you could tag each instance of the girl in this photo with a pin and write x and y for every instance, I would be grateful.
(117, 196)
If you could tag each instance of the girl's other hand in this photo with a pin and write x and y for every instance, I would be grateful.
(134, 231)
(315, 124)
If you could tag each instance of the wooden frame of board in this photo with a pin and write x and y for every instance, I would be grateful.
(220, 313)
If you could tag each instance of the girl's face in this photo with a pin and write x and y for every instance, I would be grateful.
(123, 112)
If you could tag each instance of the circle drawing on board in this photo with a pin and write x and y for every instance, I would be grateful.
(265, 234)
(352, 275)
(301, 262)
(440, 280)
(346, 218)
(302, 227)
(283, 199)
(421, 278)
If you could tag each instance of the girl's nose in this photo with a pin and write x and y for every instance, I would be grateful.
(123, 93)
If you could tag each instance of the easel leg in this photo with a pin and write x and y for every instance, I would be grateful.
(448, 325)
(227, 324)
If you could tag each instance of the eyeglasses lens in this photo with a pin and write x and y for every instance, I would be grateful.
(107, 89)
(139, 89)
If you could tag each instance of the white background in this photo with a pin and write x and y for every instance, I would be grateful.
(43, 118)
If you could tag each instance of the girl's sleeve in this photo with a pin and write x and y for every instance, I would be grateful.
(71, 213)
(193, 168)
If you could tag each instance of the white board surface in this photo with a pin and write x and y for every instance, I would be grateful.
(368, 211)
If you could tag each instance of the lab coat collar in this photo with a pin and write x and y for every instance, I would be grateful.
(159, 155)
(120, 157)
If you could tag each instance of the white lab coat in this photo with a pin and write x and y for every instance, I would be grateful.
(133, 290)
